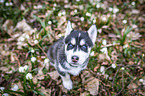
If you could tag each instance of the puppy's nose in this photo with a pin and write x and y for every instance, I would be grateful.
(75, 58)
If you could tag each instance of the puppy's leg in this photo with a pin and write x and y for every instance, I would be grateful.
(67, 83)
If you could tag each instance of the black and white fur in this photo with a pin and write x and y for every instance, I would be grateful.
(70, 54)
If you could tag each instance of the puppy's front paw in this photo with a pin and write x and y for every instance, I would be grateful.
(68, 84)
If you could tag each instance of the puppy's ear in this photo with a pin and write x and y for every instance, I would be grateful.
(68, 29)
(93, 33)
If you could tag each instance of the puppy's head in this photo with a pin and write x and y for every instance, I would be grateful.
(78, 44)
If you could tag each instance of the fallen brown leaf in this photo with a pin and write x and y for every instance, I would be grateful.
(93, 86)
(132, 86)
(92, 83)
(97, 67)
(131, 63)
(54, 75)
(47, 92)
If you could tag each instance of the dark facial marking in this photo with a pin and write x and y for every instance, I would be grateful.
(70, 46)
(75, 34)
(84, 48)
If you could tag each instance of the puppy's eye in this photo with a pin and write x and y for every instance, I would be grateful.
(70, 46)
(84, 47)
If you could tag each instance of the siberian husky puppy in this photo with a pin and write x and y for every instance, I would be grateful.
(70, 54)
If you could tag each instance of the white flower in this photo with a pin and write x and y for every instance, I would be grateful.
(88, 14)
(77, 0)
(75, 10)
(54, 4)
(33, 59)
(110, 78)
(27, 36)
(133, 3)
(22, 39)
(65, 1)
(7, 4)
(108, 15)
(21, 69)
(59, 35)
(98, 6)
(39, 7)
(125, 46)
(134, 26)
(143, 55)
(122, 68)
(54, 8)
(32, 51)
(81, 7)
(2, 89)
(46, 61)
(29, 76)
(82, 18)
(35, 7)
(63, 13)
(10, 3)
(25, 67)
(102, 70)
(104, 50)
(94, 21)
(92, 53)
(104, 42)
(2, 1)
(104, 18)
(66, 6)
(35, 41)
(59, 14)
(99, 30)
(15, 87)
(113, 65)
(98, 73)
(110, 9)
(49, 22)
(124, 21)
(133, 35)
(106, 76)
(114, 15)
(141, 80)
(5, 94)
(115, 10)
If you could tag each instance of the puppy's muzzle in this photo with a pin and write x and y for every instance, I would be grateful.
(75, 58)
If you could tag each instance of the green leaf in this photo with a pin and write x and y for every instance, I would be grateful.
(18, 92)
(24, 79)
(41, 22)
(125, 34)
(40, 93)
(34, 91)
(47, 17)
(37, 92)
(117, 32)
(125, 51)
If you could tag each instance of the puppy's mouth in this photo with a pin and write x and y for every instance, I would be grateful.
(73, 64)
(76, 64)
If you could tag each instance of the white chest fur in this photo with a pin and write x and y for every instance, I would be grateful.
(72, 70)
(75, 71)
